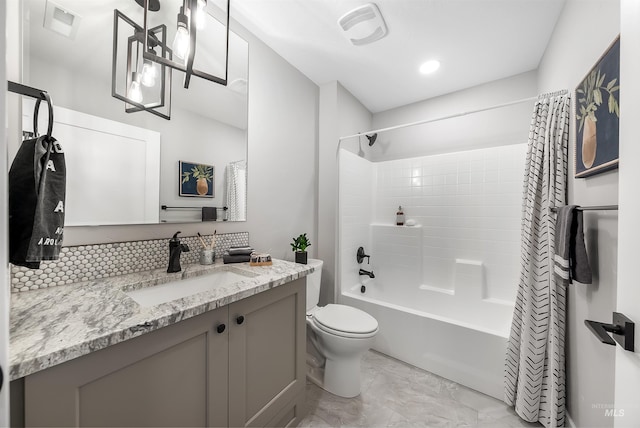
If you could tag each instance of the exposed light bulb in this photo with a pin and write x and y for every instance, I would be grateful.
(135, 91)
(201, 14)
(182, 40)
(149, 73)
(429, 66)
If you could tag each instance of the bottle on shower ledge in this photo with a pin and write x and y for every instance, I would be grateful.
(400, 217)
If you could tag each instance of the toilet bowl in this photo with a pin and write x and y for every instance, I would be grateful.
(337, 337)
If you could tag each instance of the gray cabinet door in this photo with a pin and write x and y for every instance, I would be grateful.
(267, 357)
(175, 376)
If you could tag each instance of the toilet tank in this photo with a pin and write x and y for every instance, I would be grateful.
(313, 283)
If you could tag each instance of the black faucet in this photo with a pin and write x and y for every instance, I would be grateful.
(360, 255)
(175, 249)
(366, 272)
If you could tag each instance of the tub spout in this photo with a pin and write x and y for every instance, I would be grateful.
(366, 272)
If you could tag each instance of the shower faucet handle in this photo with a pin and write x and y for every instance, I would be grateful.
(360, 255)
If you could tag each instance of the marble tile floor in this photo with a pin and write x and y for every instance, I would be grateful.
(395, 394)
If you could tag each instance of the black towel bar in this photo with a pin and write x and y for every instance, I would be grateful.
(38, 94)
(165, 207)
(593, 208)
(21, 89)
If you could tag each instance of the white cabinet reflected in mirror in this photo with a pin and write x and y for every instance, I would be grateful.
(116, 173)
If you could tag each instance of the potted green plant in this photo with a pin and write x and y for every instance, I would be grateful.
(590, 97)
(299, 246)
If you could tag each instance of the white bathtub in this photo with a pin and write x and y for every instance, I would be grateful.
(417, 325)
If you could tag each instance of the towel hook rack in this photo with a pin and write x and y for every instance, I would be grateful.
(40, 96)
(35, 116)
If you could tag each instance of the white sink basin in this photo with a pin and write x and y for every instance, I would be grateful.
(163, 293)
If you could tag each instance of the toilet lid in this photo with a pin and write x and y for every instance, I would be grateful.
(346, 319)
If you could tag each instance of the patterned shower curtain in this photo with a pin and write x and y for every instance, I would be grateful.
(535, 362)
(236, 198)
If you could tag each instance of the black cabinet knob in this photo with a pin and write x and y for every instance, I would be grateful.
(239, 320)
(221, 328)
(1, 378)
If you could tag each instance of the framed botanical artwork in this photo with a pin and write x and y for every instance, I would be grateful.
(196, 179)
(597, 104)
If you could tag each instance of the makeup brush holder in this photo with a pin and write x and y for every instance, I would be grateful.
(207, 257)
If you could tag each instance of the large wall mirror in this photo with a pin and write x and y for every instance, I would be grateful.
(135, 167)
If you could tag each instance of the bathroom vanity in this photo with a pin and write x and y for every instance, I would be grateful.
(231, 355)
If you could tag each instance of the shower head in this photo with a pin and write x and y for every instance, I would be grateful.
(372, 139)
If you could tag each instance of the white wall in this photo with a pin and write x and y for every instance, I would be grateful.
(355, 215)
(283, 138)
(340, 114)
(570, 54)
(503, 126)
(627, 389)
(327, 226)
(4, 271)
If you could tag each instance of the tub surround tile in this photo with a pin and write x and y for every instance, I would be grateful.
(54, 325)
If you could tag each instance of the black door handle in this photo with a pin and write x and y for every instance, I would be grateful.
(239, 320)
(221, 328)
(623, 330)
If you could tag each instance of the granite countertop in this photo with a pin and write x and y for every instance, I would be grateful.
(54, 325)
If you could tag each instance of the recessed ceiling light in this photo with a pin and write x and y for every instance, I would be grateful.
(429, 66)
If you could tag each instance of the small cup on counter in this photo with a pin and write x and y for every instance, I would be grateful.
(207, 257)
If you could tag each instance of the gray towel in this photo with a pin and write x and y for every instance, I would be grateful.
(240, 251)
(242, 258)
(37, 181)
(570, 260)
(209, 214)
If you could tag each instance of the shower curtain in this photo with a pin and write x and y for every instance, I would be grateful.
(535, 361)
(236, 199)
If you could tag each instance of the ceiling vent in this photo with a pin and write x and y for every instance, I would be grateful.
(363, 25)
(61, 20)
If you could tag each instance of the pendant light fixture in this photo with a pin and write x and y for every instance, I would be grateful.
(148, 76)
(135, 92)
(201, 14)
(181, 42)
(194, 16)
(143, 85)
(149, 73)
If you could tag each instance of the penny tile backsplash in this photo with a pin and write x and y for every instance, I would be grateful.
(88, 262)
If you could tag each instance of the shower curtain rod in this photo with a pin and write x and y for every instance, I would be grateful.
(451, 116)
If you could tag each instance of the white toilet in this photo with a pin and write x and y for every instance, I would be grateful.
(337, 336)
